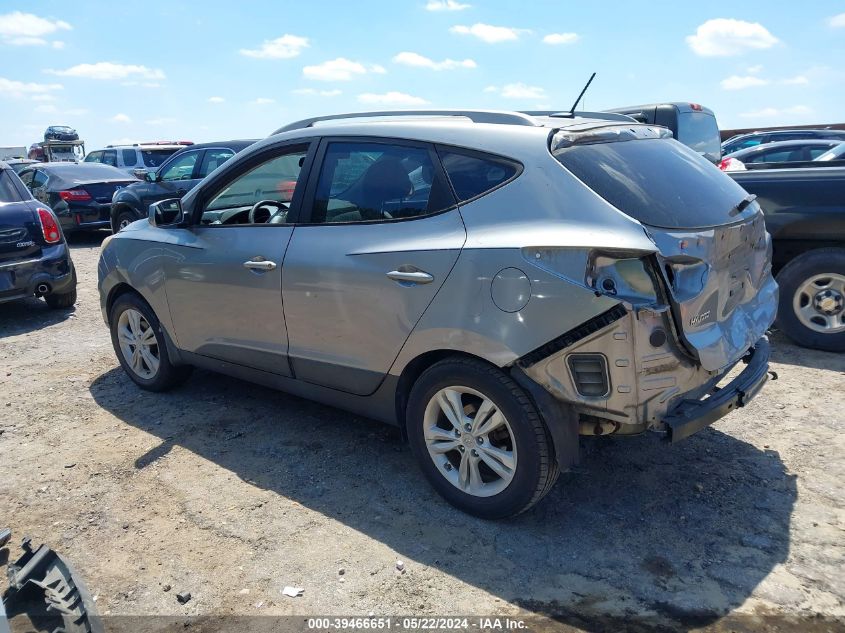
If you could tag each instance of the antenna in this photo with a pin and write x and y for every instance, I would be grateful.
(581, 96)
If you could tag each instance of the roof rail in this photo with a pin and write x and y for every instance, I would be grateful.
(585, 114)
(476, 116)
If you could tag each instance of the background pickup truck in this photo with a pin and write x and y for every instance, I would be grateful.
(805, 214)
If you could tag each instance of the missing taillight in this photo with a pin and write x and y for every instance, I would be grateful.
(49, 226)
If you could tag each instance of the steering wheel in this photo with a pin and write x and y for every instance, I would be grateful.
(260, 212)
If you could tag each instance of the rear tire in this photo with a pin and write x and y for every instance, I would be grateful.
(124, 218)
(139, 343)
(809, 283)
(492, 468)
(61, 301)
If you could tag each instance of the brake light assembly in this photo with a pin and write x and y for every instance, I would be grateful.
(75, 195)
(49, 226)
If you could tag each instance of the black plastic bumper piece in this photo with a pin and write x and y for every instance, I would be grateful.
(690, 416)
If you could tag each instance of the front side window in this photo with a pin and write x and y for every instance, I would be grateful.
(129, 157)
(362, 182)
(472, 175)
(262, 195)
(213, 159)
(181, 168)
(94, 157)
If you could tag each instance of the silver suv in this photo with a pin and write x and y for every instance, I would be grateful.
(494, 283)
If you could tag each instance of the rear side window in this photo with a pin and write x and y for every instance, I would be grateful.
(700, 131)
(8, 191)
(364, 182)
(659, 182)
(213, 159)
(110, 158)
(473, 175)
(129, 157)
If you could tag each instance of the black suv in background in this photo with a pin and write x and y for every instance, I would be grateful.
(60, 133)
(176, 177)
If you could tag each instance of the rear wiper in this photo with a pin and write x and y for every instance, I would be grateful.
(739, 208)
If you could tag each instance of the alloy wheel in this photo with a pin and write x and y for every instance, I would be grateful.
(470, 441)
(138, 343)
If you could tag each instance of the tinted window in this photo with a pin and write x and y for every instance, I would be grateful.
(181, 168)
(273, 180)
(26, 177)
(699, 131)
(155, 157)
(374, 181)
(8, 191)
(39, 179)
(110, 158)
(656, 181)
(815, 152)
(213, 159)
(94, 157)
(129, 157)
(472, 176)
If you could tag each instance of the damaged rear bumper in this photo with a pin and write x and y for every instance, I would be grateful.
(690, 416)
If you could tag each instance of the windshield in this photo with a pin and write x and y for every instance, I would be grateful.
(155, 157)
(699, 131)
(659, 182)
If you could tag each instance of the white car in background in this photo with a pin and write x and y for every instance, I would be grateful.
(136, 159)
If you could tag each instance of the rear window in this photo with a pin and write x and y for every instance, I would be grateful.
(8, 191)
(474, 175)
(700, 131)
(659, 182)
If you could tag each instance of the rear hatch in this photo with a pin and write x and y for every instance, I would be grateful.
(20, 231)
(714, 252)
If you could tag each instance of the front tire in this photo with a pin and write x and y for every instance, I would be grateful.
(139, 343)
(812, 299)
(479, 439)
(123, 219)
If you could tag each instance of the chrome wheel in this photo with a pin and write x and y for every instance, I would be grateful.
(819, 303)
(138, 343)
(470, 441)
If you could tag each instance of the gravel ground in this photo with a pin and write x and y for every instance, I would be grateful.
(232, 491)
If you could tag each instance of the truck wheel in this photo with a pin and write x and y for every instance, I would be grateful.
(479, 439)
(124, 218)
(812, 299)
(138, 341)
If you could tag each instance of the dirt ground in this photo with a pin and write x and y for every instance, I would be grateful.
(231, 492)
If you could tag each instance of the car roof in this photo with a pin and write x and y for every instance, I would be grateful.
(516, 132)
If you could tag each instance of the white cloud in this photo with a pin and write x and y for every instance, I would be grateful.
(491, 89)
(797, 80)
(415, 59)
(725, 37)
(340, 69)
(489, 33)
(27, 29)
(837, 21)
(284, 47)
(216, 99)
(391, 98)
(520, 90)
(561, 38)
(772, 113)
(263, 101)
(121, 118)
(320, 93)
(57, 44)
(40, 97)
(109, 70)
(735, 82)
(17, 89)
(755, 69)
(378, 70)
(47, 108)
(446, 5)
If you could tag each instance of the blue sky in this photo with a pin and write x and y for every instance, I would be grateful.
(211, 70)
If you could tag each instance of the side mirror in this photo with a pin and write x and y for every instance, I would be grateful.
(149, 176)
(165, 212)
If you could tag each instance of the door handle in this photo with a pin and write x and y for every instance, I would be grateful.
(410, 277)
(259, 263)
